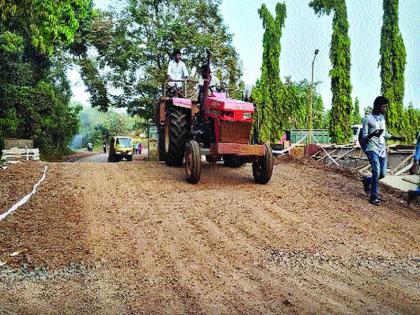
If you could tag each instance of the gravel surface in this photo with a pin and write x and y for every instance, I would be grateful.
(134, 237)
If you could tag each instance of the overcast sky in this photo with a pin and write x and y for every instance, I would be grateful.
(304, 32)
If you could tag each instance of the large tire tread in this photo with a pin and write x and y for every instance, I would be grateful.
(262, 168)
(161, 143)
(193, 162)
(179, 130)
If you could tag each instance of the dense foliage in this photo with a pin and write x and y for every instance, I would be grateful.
(45, 24)
(341, 88)
(356, 119)
(34, 90)
(413, 123)
(392, 62)
(268, 93)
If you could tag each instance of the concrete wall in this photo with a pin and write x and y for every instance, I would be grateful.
(18, 143)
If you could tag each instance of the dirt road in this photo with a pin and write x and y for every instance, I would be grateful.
(133, 237)
(103, 157)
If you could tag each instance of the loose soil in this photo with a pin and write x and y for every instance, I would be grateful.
(134, 237)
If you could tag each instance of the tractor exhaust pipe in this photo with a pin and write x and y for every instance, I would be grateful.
(207, 78)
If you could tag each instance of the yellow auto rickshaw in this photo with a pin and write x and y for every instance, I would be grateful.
(120, 147)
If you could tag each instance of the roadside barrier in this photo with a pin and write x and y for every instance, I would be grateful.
(334, 161)
(301, 140)
(289, 148)
(26, 198)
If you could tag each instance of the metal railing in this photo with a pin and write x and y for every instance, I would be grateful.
(175, 90)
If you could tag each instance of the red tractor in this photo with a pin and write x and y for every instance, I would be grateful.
(215, 126)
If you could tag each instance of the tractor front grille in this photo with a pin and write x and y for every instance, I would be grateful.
(235, 131)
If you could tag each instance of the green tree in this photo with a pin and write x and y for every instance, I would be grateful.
(46, 23)
(341, 88)
(392, 62)
(34, 90)
(268, 91)
(413, 126)
(295, 99)
(355, 116)
(135, 45)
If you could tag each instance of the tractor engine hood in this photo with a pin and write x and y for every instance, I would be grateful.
(219, 101)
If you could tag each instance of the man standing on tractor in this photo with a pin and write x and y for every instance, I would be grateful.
(214, 81)
(177, 70)
(373, 137)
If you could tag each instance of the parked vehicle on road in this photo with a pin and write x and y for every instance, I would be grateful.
(120, 147)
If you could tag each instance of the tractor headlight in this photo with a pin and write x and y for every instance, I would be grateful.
(247, 116)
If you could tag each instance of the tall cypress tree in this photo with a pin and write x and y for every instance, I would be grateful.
(341, 110)
(413, 123)
(355, 116)
(267, 94)
(392, 62)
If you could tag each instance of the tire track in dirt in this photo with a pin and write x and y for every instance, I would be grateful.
(157, 244)
(330, 277)
(201, 219)
(162, 260)
(211, 240)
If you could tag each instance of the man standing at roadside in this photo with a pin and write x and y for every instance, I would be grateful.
(374, 135)
(416, 157)
(413, 194)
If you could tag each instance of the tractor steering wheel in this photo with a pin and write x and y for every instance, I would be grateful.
(218, 89)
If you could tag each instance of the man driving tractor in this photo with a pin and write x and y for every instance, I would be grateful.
(177, 71)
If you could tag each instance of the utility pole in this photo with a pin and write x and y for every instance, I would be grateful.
(311, 99)
(148, 140)
(149, 124)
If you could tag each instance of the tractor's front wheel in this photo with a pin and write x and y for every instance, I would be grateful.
(193, 162)
(177, 130)
(262, 168)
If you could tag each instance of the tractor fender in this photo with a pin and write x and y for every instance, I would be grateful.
(182, 102)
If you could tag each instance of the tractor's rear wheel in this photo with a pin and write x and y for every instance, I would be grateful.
(233, 161)
(161, 144)
(192, 162)
(177, 130)
(262, 168)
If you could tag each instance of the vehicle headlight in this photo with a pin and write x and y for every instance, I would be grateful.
(247, 115)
